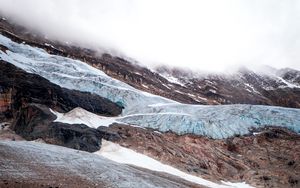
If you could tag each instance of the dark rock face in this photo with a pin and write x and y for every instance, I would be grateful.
(17, 88)
(268, 159)
(108, 134)
(32, 121)
(26, 98)
(76, 136)
(36, 122)
(5, 103)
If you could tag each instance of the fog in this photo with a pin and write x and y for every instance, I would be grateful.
(210, 35)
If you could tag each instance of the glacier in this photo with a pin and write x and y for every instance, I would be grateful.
(144, 109)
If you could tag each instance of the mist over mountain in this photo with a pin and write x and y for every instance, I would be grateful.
(152, 94)
(201, 35)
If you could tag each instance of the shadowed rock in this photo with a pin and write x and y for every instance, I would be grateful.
(17, 88)
(36, 122)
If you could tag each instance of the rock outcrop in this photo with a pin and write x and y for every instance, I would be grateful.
(36, 122)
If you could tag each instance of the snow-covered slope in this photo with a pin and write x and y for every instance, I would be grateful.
(144, 109)
(38, 165)
(120, 154)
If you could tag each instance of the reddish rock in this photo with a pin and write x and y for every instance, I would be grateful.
(268, 159)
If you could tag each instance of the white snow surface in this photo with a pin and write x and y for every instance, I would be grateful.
(144, 109)
(81, 116)
(120, 154)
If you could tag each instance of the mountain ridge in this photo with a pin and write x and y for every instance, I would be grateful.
(211, 89)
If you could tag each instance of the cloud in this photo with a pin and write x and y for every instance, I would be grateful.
(202, 35)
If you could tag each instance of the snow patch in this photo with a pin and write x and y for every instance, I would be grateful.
(172, 79)
(237, 185)
(252, 88)
(288, 84)
(49, 45)
(202, 98)
(81, 116)
(145, 86)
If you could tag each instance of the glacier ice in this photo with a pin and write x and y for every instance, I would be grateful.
(144, 109)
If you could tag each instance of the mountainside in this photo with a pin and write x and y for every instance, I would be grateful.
(279, 88)
(144, 109)
(167, 126)
(269, 87)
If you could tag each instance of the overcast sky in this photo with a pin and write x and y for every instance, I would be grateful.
(206, 35)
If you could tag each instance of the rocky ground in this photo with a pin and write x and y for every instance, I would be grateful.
(269, 158)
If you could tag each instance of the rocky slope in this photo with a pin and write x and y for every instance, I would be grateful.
(267, 86)
(245, 86)
(268, 158)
